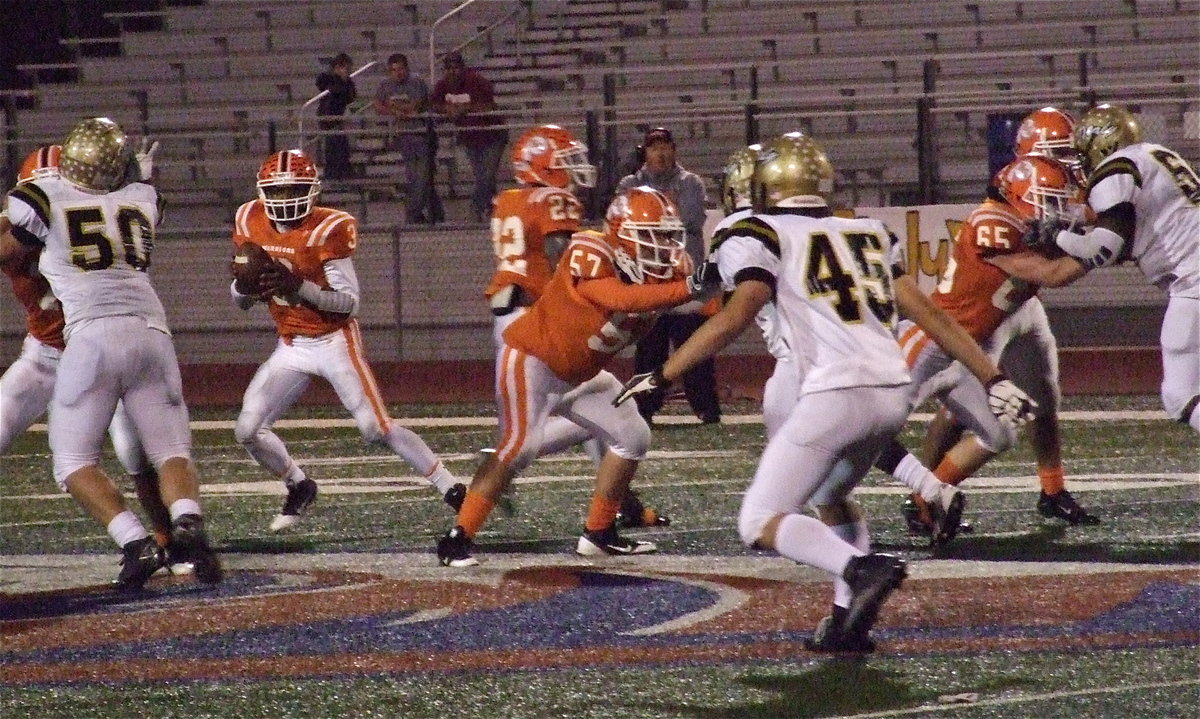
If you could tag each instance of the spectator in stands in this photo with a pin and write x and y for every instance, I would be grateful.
(662, 171)
(339, 87)
(403, 97)
(466, 97)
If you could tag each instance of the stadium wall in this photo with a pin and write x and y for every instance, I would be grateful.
(1084, 371)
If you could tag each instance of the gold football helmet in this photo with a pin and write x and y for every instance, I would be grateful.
(1103, 130)
(96, 155)
(735, 179)
(792, 171)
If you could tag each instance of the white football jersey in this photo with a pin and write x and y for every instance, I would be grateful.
(833, 289)
(1165, 193)
(767, 320)
(96, 247)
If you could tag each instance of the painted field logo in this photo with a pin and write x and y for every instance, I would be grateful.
(343, 623)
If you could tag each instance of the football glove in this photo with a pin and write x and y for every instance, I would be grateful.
(704, 280)
(640, 384)
(280, 280)
(145, 158)
(1042, 234)
(1008, 402)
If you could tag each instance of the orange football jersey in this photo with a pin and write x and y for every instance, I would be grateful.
(521, 220)
(587, 314)
(973, 291)
(326, 234)
(43, 313)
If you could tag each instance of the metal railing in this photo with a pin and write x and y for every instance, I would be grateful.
(303, 141)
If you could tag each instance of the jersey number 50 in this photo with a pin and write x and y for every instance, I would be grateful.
(92, 249)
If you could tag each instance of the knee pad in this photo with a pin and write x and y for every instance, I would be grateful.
(752, 520)
(245, 430)
(996, 437)
(632, 439)
(65, 466)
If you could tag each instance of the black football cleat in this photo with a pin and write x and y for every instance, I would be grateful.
(455, 496)
(1062, 505)
(300, 496)
(872, 577)
(454, 549)
(596, 543)
(950, 520)
(139, 559)
(191, 542)
(830, 637)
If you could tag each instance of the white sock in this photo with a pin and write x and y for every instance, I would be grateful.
(294, 475)
(441, 478)
(855, 534)
(808, 541)
(184, 506)
(918, 478)
(125, 528)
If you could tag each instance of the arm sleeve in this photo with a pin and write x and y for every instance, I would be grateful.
(1100, 247)
(342, 295)
(614, 295)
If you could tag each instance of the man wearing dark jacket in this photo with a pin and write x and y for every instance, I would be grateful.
(661, 171)
(341, 93)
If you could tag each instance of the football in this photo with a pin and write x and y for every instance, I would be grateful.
(250, 261)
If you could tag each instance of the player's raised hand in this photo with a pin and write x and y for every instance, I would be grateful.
(640, 384)
(145, 158)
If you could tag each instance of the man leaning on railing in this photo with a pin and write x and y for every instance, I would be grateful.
(405, 97)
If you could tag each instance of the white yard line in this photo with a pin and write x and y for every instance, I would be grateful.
(952, 706)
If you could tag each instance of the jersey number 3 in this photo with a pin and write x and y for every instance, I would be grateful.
(92, 249)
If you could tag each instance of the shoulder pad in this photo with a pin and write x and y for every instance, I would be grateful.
(751, 227)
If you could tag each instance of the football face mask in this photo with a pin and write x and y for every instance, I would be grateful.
(288, 186)
(649, 234)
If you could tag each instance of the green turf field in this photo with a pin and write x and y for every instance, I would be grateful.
(956, 643)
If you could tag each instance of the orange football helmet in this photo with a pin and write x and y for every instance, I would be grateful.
(550, 155)
(288, 185)
(645, 226)
(42, 162)
(1048, 131)
(1037, 186)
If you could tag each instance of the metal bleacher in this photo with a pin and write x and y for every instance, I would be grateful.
(222, 83)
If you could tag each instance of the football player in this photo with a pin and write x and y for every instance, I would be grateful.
(605, 292)
(1002, 313)
(28, 383)
(531, 226)
(94, 227)
(1049, 132)
(311, 291)
(945, 502)
(837, 298)
(1145, 199)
